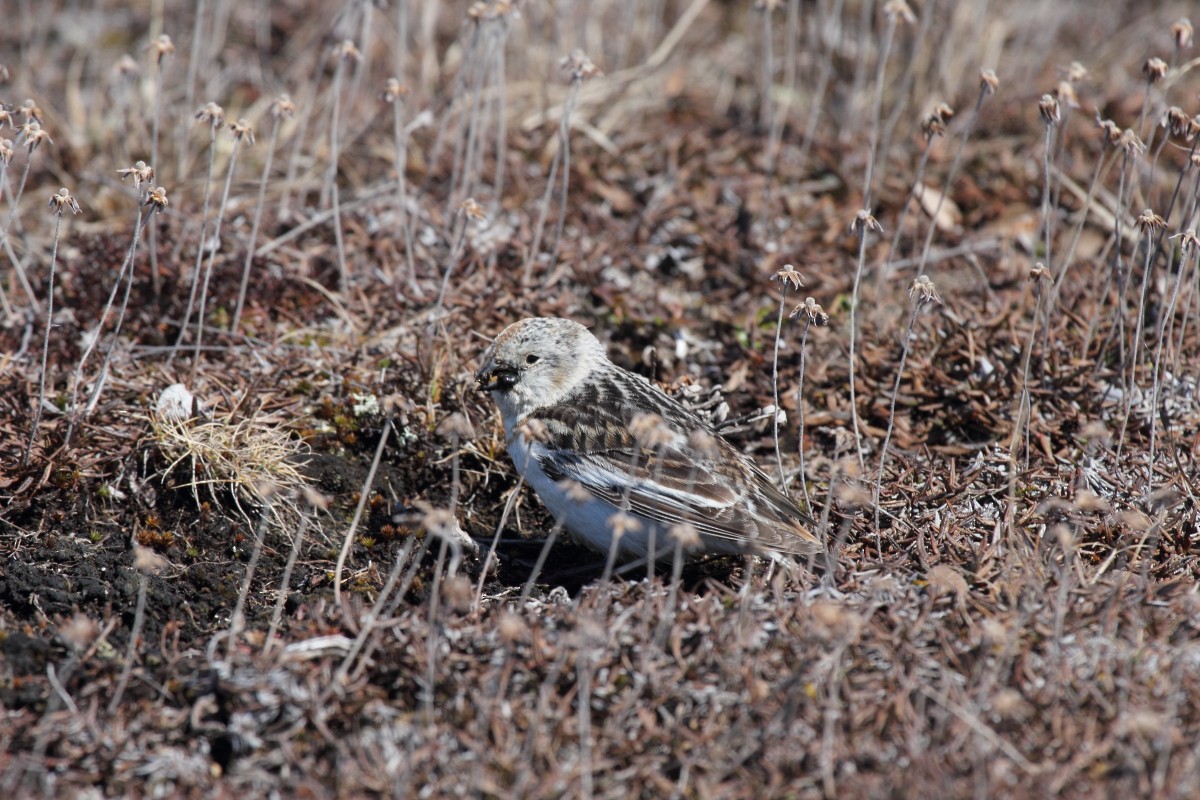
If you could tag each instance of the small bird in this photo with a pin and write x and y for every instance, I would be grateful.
(614, 458)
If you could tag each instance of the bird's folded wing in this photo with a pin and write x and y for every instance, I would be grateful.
(671, 488)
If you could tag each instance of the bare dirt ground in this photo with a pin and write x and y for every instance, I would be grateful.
(272, 596)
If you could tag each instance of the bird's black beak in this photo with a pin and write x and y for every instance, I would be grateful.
(496, 377)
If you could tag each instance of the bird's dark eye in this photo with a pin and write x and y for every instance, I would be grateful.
(531, 359)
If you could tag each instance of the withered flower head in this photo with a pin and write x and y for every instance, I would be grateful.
(789, 275)
(812, 312)
(1064, 93)
(1178, 123)
(157, 197)
(347, 50)
(863, 222)
(394, 91)
(1131, 143)
(30, 110)
(282, 106)
(1075, 72)
(1188, 241)
(623, 523)
(1038, 272)
(922, 290)
(162, 47)
(579, 67)
(1049, 110)
(64, 200)
(126, 67)
(472, 209)
(140, 172)
(1149, 221)
(988, 82)
(31, 135)
(1181, 32)
(1112, 132)
(242, 131)
(899, 11)
(6, 116)
(685, 534)
(6, 150)
(213, 114)
(1155, 69)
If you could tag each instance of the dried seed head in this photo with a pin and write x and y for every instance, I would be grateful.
(1112, 132)
(472, 209)
(1038, 272)
(1155, 69)
(30, 110)
(1131, 143)
(148, 562)
(315, 499)
(1181, 32)
(213, 114)
(789, 275)
(346, 50)
(6, 150)
(457, 592)
(242, 131)
(1188, 241)
(575, 490)
(393, 91)
(79, 631)
(511, 628)
(1064, 93)
(477, 12)
(863, 222)
(703, 444)
(64, 200)
(1178, 123)
(161, 48)
(1049, 110)
(579, 67)
(282, 106)
(623, 523)
(685, 534)
(31, 135)
(4, 73)
(6, 116)
(922, 290)
(988, 82)
(650, 430)
(457, 425)
(533, 430)
(812, 311)
(140, 172)
(1148, 221)
(899, 11)
(439, 522)
(125, 68)
(157, 197)
(1075, 72)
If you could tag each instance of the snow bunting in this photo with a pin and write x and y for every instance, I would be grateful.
(611, 455)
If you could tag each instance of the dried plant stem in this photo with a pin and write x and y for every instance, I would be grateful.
(491, 553)
(37, 411)
(918, 186)
(1138, 323)
(1163, 326)
(212, 255)
(563, 134)
(877, 109)
(258, 211)
(78, 414)
(775, 392)
(139, 616)
(541, 562)
(401, 142)
(237, 620)
(190, 89)
(858, 270)
(187, 315)
(155, 277)
(363, 496)
(800, 412)
(1024, 411)
(285, 582)
(334, 123)
(968, 128)
(823, 36)
(1065, 262)
(887, 437)
(18, 265)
